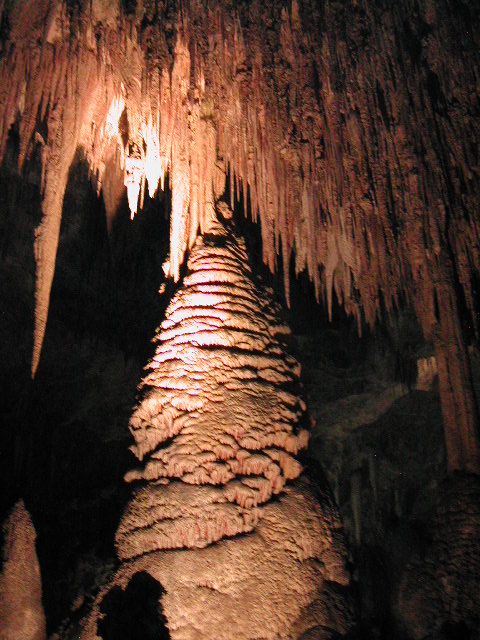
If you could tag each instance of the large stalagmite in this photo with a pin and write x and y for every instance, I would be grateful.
(243, 544)
(349, 131)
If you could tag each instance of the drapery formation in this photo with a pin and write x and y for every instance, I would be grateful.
(351, 128)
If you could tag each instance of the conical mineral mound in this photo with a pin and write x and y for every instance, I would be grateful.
(21, 610)
(222, 515)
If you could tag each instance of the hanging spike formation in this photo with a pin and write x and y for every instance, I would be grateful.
(218, 429)
(344, 132)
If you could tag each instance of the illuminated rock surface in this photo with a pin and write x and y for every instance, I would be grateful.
(349, 130)
(218, 430)
(21, 611)
(352, 129)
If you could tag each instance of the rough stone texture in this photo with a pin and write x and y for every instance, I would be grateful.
(220, 410)
(21, 611)
(352, 127)
(439, 595)
(285, 580)
(218, 430)
(380, 439)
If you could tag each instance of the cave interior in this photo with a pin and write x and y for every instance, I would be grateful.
(344, 136)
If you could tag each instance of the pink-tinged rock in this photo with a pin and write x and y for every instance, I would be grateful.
(21, 610)
(242, 543)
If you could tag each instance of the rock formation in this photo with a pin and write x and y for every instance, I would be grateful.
(21, 611)
(439, 595)
(243, 545)
(349, 130)
(351, 127)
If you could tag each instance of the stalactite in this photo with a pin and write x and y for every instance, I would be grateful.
(356, 504)
(460, 413)
(64, 126)
(354, 132)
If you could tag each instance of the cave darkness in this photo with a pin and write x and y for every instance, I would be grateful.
(390, 185)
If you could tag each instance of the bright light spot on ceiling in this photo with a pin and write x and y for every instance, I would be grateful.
(134, 177)
(113, 117)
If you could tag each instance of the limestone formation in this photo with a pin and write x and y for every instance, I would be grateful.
(439, 595)
(21, 610)
(243, 545)
(351, 127)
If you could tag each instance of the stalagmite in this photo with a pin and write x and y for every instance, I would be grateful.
(350, 132)
(21, 610)
(244, 545)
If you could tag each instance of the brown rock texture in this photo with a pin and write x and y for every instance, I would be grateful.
(285, 580)
(219, 424)
(351, 126)
(243, 545)
(439, 595)
(21, 610)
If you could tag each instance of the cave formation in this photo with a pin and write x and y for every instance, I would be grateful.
(219, 431)
(347, 133)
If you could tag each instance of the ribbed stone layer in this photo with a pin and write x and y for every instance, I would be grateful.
(218, 426)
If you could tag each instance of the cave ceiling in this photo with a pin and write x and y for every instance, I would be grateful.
(349, 128)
